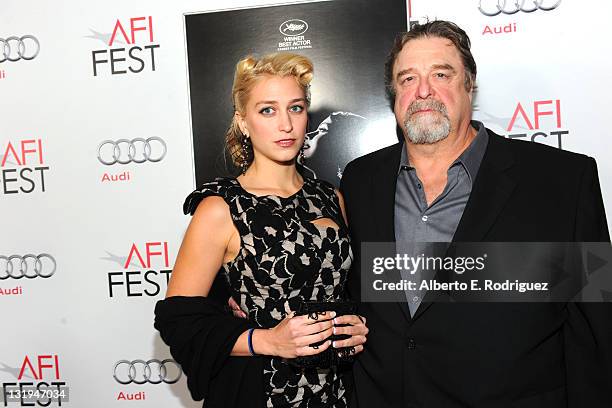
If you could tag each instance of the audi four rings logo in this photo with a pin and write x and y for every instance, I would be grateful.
(138, 150)
(14, 48)
(27, 266)
(152, 371)
(495, 7)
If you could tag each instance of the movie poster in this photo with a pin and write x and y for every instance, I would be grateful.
(347, 40)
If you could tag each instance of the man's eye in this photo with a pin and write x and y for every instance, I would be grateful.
(296, 108)
(407, 79)
(441, 75)
(267, 111)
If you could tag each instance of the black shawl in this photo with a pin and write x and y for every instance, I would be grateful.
(201, 335)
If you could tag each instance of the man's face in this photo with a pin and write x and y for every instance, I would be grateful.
(431, 99)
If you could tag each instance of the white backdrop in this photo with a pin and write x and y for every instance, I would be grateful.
(554, 61)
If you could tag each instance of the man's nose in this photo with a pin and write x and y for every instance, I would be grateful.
(424, 88)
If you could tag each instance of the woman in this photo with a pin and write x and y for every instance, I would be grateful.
(280, 239)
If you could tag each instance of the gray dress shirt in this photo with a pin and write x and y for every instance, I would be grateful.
(417, 224)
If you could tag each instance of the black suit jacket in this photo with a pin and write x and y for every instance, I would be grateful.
(486, 354)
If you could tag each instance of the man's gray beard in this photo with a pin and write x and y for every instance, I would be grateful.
(427, 128)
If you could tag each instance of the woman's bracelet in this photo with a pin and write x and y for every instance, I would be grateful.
(250, 341)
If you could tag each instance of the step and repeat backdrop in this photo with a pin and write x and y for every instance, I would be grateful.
(112, 112)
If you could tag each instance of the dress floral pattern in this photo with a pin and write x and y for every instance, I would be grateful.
(285, 259)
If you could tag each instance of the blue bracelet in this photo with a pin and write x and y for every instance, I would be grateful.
(250, 340)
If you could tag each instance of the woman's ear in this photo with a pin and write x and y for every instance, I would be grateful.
(241, 123)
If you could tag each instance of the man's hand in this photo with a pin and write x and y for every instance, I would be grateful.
(357, 330)
(236, 309)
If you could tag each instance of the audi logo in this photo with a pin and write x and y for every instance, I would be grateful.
(27, 266)
(152, 371)
(138, 150)
(496, 7)
(17, 48)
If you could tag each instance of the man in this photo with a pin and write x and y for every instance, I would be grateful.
(454, 180)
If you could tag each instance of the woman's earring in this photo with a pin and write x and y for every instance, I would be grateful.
(244, 163)
(302, 157)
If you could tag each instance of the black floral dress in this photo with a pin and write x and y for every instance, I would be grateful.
(284, 259)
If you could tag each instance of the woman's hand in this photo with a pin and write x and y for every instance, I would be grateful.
(293, 335)
(357, 330)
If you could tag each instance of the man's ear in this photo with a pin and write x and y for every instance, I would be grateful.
(241, 123)
(472, 90)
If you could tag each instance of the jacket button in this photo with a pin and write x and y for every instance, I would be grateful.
(411, 343)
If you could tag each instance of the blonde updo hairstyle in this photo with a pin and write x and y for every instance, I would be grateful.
(248, 71)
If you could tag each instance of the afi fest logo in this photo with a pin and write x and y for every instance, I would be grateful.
(38, 382)
(123, 55)
(538, 121)
(138, 276)
(293, 31)
(23, 166)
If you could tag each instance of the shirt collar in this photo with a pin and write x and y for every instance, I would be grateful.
(470, 158)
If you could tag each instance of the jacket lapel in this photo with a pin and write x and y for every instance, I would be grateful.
(493, 186)
(383, 183)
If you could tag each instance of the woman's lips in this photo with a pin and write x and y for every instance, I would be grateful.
(285, 142)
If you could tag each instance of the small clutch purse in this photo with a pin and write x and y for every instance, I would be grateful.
(331, 357)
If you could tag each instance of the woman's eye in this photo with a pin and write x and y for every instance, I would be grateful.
(267, 111)
(296, 108)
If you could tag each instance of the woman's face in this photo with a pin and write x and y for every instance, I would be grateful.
(275, 118)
